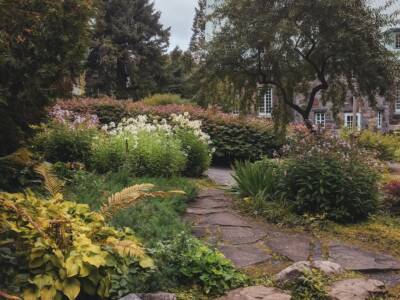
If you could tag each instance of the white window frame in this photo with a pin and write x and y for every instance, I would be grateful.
(397, 100)
(397, 41)
(266, 105)
(350, 124)
(320, 119)
(379, 119)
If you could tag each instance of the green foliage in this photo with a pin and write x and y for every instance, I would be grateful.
(310, 286)
(240, 141)
(59, 142)
(63, 249)
(42, 46)
(151, 154)
(198, 153)
(127, 59)
(186, 259)
(386, 145)
(344, 190)
(162, 99)
(257, 180)
(16, 170)
(152, 220)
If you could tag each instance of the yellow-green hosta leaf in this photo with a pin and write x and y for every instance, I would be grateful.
(42, 280)
(72, 266)
(31, 294)
(71, 288)
(48, 293)
(95, 260)
(84, 270)
(146, 263)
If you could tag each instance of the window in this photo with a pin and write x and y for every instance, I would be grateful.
(397, 102)
(397, 41)
(320, 119)
(349, 119)
(379, 119)
(266, 104)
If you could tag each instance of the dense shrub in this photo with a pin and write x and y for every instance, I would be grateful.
(327, 177)
(187, 260)
(392, 196)
(386, 145)
(163, 99)
(197, 151)
(257, 180)
(61, 142)
(16, 170)
(234, 137)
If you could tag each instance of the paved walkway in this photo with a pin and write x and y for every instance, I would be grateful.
(248, 243)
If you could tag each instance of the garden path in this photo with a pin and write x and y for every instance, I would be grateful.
(264, 247)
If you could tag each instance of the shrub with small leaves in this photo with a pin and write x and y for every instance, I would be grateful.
(392, 196)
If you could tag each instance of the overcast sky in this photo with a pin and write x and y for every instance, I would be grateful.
(177, 14)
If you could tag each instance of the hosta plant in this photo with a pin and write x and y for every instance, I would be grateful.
(56, 249)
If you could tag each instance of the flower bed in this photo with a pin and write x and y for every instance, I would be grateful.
(234, 137)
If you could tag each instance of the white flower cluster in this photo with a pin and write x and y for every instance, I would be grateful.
(134, 126)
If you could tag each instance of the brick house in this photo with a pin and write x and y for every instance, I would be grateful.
(384, 117)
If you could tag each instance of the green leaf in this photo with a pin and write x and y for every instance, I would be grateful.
(71, 288)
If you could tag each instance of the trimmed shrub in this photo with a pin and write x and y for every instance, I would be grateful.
(61, 142)
(163, 99)
(197, 152)
(343, 190)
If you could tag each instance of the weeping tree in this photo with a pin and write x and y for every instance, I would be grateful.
(305, 49)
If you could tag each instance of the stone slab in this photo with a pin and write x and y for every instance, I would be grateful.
(389, 278)
(225, 219)
(356, 289)
(245, 255)
(355, 259)
(256, 293)
(205, 211)
(210, 203)
(294, 247)
(221, 176)
(241, 235)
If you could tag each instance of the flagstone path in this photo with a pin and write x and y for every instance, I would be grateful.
(248, 243)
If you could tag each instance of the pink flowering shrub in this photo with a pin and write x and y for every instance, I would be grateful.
(392, 196)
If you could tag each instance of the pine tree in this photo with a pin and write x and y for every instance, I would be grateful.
(198, 39)
(127, 53)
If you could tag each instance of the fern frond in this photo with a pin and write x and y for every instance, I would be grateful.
(52, 183)
(127, 248)
(130, 196)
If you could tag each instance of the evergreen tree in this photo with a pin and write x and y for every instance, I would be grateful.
(42, 46)
(127, 53)
(197, 42)
(178, 72)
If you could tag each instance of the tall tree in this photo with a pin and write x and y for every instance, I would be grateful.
(305, 48)
(127, 53)
(197, 42)
(42, 46)
(178, 72)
